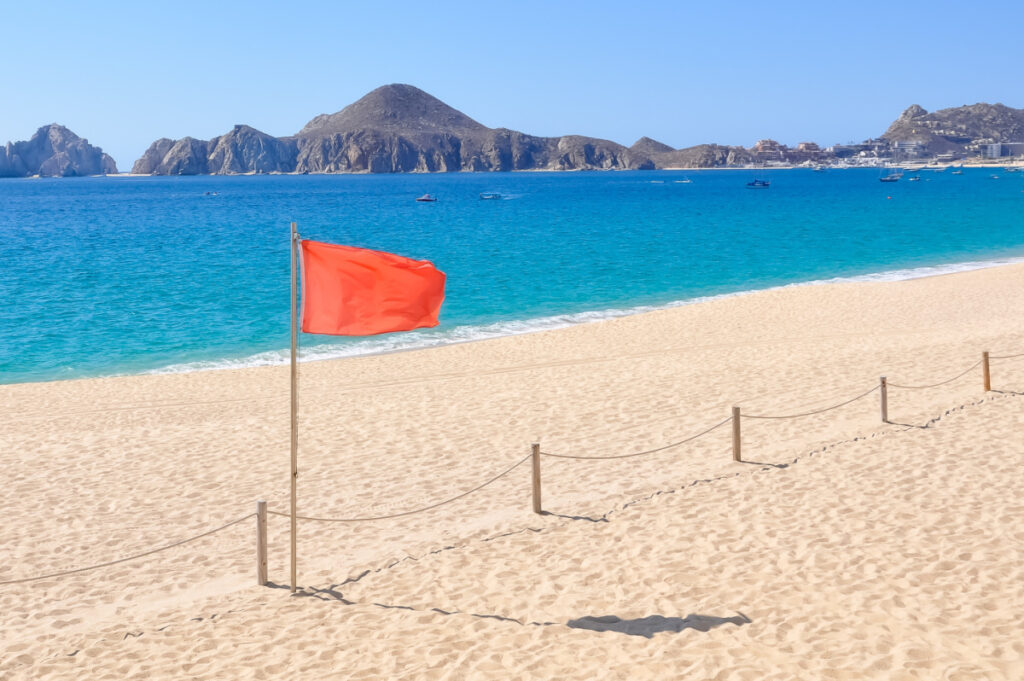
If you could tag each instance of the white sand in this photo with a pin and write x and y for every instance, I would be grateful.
(897, 552)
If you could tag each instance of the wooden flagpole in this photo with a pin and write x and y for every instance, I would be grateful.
(295, 403)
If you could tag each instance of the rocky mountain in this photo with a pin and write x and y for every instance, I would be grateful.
(243, 150)
(54, 151)
(400, 128)
(647, 147)
(703, 156)
(956, 128)
(395, 128)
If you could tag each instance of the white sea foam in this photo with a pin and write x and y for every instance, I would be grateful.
(464, 334)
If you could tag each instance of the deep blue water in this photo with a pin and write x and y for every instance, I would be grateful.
(119, 275)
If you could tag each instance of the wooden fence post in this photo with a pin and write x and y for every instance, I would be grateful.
(884, 387)
(261, 543)
(535, 452)
(984, 371)
(736, 434)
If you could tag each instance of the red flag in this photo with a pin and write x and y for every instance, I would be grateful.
(350, 291)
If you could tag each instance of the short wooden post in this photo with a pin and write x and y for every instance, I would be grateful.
(736, 434)
(984, 371)
(884, 388)
(535, 455)
(261, 543)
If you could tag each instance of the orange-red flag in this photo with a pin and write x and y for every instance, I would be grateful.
(349, 291)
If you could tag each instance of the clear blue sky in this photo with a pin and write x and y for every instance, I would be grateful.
(124, 74)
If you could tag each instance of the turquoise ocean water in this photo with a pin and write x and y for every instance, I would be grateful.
(102, 276)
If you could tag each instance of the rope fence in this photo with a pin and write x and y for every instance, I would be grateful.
(535, 455)
(941, 383)
(412, 512)
(812, 413)
(643, 453)
(125, 560)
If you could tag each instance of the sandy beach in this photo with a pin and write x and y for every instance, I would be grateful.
(842, 548)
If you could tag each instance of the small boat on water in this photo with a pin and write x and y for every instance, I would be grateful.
(759, 184)
(915, 178)
(685, 180)
(490, 196)
(1011, 169)
(893, 175)
(427, 198)
(958, 171)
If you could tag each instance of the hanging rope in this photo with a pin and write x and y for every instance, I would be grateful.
(405, 513)
(936, 385)
(812, 413)
(649, 451)
(125, 560)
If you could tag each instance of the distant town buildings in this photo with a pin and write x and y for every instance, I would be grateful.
(769, 150)
(998, 150)
(873, 152)
(908, 149)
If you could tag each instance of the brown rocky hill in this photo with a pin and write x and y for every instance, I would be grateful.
(54, 151)
(647, 147)
(703, 156)
(395, 128)
(242, 150)
(956, 128)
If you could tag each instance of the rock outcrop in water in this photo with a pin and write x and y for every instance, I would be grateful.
(395, 128)
(54, 151)
(243, 150)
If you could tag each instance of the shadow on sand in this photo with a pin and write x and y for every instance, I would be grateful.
(649, 626)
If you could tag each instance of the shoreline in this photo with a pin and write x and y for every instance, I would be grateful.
(329, 352)
(400, 343)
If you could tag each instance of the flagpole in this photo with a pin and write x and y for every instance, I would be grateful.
(295, 404)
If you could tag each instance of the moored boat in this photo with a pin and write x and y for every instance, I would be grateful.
(427, 198)
(893, 175)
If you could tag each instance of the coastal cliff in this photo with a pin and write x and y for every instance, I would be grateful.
(54, 151)
(242, 150)
(402, 129)
(395, 128)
